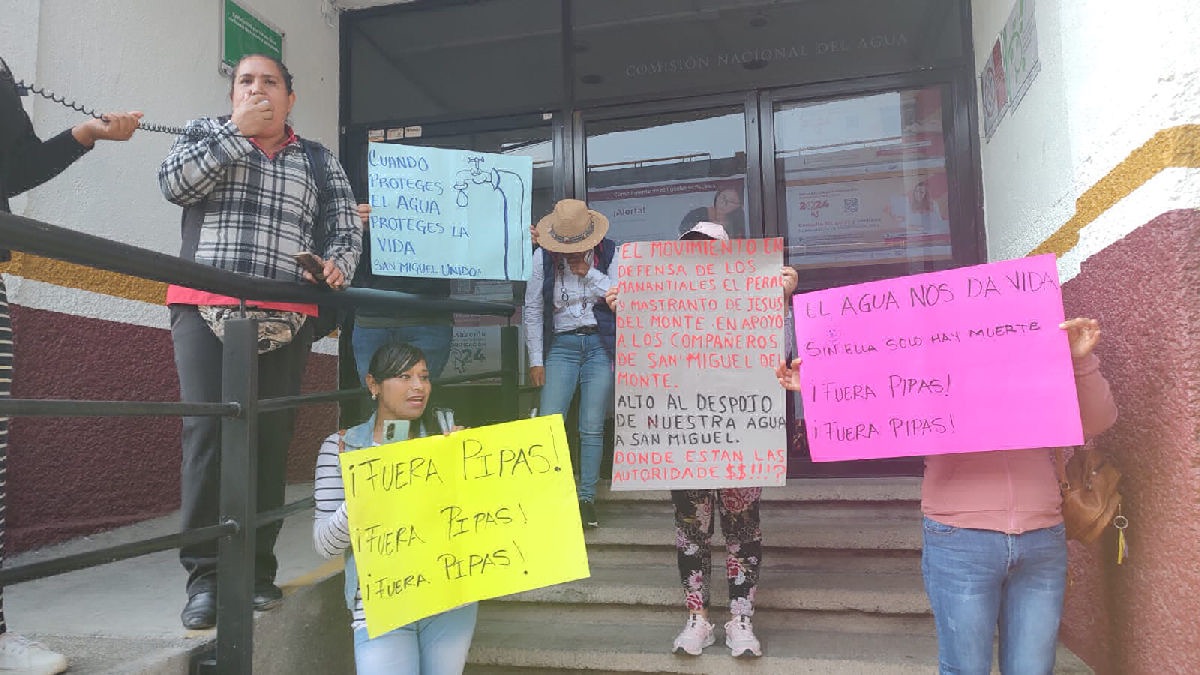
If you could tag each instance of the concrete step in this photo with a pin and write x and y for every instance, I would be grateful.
(674, 616)
(582, 639)
(532, 638)
(824, 561)
(832, 582)
(897, 489)
(898, 511)
(810, 527)
(774, 559)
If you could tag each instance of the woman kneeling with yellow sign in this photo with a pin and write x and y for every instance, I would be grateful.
(398, 380)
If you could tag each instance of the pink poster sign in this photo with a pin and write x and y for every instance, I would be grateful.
(965, 360)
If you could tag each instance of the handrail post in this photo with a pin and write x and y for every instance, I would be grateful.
(239, 499)
(510, 367)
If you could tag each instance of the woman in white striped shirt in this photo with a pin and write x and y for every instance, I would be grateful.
(398, 379)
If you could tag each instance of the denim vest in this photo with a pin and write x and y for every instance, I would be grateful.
(606, 321)
(355, 438)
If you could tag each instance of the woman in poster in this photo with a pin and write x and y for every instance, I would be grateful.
(726, 211)
(917, 212)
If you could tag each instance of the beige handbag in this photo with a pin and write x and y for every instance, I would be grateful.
(1091, 500)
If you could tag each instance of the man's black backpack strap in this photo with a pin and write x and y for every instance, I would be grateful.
(316, 164)
(329, 318)
(191, 221)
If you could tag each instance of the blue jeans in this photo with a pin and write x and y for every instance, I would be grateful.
(581, 360)
(433, 339)
(978, 578)
(435, 645)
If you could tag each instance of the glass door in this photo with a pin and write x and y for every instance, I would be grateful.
(656, 174)
(863, 180)
(863, 187)
(656, 170)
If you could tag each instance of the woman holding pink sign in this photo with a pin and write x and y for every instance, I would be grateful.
(738, 509)
(994, 549)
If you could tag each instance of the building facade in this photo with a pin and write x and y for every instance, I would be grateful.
(846, 128)
(876, 138)
(1098, 163)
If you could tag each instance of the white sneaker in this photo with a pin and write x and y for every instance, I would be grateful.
(695, 636)
(26, 656)
(739, 637)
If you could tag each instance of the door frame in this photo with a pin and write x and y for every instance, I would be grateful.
(569, 139)
(748, 100)
(965, 211)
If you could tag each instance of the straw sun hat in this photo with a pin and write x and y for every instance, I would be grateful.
(571, 228)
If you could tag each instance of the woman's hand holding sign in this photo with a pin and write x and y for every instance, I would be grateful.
(790, 280)
(612, 296)
(1082, 335)
(788, 374)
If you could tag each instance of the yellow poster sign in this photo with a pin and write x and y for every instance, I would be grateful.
(441, 521)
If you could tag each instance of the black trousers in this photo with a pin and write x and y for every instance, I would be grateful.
(198, 357)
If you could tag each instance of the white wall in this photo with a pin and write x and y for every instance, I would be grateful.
(160, 57)
(1113, 73)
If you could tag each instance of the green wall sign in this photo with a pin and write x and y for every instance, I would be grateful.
(244, 33)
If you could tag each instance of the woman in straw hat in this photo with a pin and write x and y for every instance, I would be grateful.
(571, 332)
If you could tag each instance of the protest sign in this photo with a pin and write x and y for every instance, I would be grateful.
(441, 521)
(965, 360)
(700, 329)
(449, 213)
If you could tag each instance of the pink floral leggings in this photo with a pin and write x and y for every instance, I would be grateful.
(743, 540)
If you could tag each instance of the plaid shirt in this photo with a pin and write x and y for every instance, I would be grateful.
(259, 210)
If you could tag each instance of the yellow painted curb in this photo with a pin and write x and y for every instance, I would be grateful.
(331, 567)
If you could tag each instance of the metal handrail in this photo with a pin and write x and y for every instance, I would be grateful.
(33, 236)
(461, 379)
(276, 515)
(35, 407)
(285, 402)
(111, 554)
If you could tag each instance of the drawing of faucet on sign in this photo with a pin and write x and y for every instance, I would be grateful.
(449, 213)
(502, 182)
